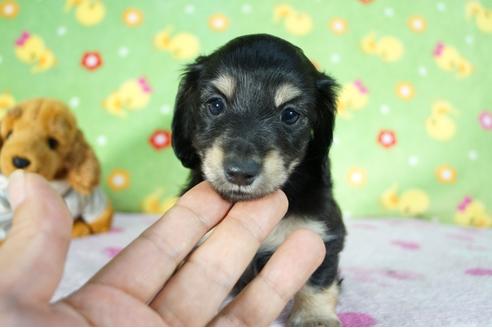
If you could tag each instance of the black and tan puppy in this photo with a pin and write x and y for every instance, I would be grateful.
(256, 116)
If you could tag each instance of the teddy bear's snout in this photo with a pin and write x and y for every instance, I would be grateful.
(20, 162)
(29, 150)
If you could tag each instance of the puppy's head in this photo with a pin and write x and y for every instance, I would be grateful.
(248, 114)
(41, 136)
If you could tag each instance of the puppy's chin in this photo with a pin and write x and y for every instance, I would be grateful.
(235, 194)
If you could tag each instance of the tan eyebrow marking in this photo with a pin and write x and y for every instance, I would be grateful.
(226, 84)
(285, 93)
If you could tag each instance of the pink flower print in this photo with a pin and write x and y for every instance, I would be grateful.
(356, 319)
(387, 138)
(409, 245)
(116, 230)
(160, 139)
(479, 272)
(112, 251)
(91, 60)
(485, 119)
(401, 275)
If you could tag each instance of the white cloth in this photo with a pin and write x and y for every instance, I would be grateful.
(88, 207)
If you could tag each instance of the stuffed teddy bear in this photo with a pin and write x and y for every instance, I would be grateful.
(41, 136)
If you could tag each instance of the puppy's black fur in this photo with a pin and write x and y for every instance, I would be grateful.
(251, 125)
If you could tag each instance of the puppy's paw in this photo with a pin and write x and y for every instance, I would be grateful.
(315, 307)
(300, 320)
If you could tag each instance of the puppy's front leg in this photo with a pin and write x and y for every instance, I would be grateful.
(314, 306)
(315, 303)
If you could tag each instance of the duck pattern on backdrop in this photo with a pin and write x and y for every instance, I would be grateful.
(414, 130)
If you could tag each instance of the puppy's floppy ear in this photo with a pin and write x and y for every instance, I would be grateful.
(83, 166)
(326, 89)
(186, 105)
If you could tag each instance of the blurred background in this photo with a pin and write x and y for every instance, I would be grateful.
(414, 127)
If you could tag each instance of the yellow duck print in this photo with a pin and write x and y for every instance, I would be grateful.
(352, 97)
(481, 14)
(30, 49)
(87, 12)
(181, 46)
(449, 59)
(387, 48)
(132, 95)
(472, 213)
(440, 124)
(7, 101)
(153, 204)
(295, 22)
(412, 202)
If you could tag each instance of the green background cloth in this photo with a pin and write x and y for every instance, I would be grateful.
(414, 134)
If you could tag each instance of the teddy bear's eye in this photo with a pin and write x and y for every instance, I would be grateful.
(52, 143)
(8, 134)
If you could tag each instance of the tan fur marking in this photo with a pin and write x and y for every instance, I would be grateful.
(287, 226)
(293, 165)
(226, 84)
(212, 162)
(273, 166)
(315, 307)
(285, 93)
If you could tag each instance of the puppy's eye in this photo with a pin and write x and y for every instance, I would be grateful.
(215, 106)
(289, 116)
(8, 134)
(52, 143)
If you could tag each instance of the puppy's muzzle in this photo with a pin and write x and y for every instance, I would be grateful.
(241, 172)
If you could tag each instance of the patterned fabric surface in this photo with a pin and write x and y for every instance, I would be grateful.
(414, 132)
(396, 272)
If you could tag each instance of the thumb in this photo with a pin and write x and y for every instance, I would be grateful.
(33, 255)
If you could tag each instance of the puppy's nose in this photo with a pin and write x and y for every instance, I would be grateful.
(241, 173)
(20, 162)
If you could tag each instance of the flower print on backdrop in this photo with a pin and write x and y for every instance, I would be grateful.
(413, 122)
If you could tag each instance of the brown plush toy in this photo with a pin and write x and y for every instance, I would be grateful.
(42, 136)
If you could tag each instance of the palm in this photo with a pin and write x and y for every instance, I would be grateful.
(142, 286)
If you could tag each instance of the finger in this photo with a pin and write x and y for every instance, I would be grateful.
(209, 274)
(261, 302)
(33, 256)
(146, 264)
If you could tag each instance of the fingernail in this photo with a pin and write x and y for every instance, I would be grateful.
(17, 188)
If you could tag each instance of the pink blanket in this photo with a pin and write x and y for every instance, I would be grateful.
(396, 272)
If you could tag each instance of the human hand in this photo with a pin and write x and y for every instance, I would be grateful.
(140, 285)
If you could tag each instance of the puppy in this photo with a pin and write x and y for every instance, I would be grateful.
(256, 116)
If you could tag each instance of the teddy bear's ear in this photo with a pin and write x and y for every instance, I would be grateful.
(7, 122)
(9, 119)
(83, 167)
